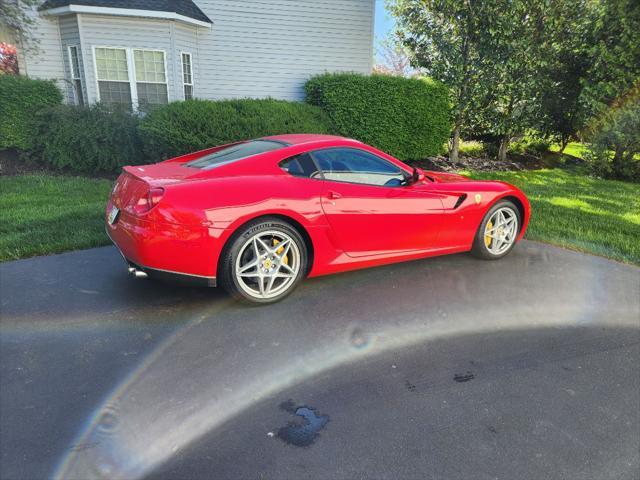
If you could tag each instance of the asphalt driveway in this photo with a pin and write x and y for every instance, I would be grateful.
(452, 367)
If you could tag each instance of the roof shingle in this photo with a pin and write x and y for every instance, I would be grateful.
(182, 7)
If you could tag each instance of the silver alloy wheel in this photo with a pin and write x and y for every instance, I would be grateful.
(501, 230)
(268, 264)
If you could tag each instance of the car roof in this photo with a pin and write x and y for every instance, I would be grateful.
(301, 138)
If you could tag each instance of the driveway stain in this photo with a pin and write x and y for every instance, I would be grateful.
(302, 433)
(463, 377)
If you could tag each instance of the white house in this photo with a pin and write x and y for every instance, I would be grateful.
(158, 51)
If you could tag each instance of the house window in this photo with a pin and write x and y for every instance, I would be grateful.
(76, 79)
(187, 76)
(131, 76)
(151, 77)
(113, 75)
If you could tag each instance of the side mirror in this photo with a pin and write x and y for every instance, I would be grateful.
(417, 176)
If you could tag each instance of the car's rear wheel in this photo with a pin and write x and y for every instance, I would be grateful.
(498, 231)
(264, 261)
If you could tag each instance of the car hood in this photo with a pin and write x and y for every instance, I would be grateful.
(445, 177)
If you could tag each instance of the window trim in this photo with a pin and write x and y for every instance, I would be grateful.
(79, 101)
(131, 71)
(315, 160)
(192, 84)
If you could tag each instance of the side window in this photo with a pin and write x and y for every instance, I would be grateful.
(300, 166)
(357, 166)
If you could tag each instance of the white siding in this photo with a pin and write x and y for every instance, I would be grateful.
(112, 31)
(186, 40)
(70, 35)
(46, 62)
(269, 48)
(255, 48)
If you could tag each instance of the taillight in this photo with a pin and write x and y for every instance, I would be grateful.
(149, 200)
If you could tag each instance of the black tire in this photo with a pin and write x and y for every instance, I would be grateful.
(480, 249)
(227, 278)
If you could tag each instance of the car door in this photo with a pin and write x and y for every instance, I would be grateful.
(369, 206)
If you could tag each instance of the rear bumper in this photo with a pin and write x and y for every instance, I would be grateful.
(184, 278)
(187, 254)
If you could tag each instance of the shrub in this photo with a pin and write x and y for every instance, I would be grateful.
(408, 118)
(472, 148)
(531, 145)
(614, 144)
(182, 127)
(20, 99)
(86, 139)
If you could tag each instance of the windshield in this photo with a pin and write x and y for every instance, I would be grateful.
(235, 152)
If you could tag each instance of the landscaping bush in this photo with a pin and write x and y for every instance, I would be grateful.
(614, 144)
(20, 99)
(86, 139)
(182, 127)
(472, 149)
(531, 145)
(408, 118)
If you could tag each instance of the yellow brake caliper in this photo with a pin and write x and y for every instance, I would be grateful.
(285, 260)
(487, 238)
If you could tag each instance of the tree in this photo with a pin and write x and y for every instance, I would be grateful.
(513, 65)
(16, 17)
(441, 37)
(611, 92)
(615, 141)
(568, 32)
(395, 60)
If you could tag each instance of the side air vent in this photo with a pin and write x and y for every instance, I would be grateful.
(461, 199)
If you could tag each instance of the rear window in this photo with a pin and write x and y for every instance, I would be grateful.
(235, 152)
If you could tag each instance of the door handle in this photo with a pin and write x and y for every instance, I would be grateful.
(334, 195)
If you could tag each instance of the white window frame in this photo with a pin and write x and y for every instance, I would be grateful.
(192, 84)
(78, 101)
(131, 71)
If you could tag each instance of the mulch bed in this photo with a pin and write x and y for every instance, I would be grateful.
(515, 162)
(11, 164)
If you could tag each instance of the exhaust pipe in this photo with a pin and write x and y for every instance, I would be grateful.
(134, 272)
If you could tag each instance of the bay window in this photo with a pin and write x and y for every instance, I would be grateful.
(113, 75)
(131, 76)
(151, 78)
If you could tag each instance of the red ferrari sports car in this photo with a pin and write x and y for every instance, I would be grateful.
(258, 216)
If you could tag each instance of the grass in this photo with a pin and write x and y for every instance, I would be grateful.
(42, 214)
(578, 212)
(575, 149)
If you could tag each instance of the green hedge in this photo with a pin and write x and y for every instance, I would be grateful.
(407, 118)
(86, 139)
(20, 99)
(182, 127)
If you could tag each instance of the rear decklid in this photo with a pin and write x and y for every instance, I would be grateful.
(159, 174)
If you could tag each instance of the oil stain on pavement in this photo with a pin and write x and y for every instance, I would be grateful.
(463, 377)
(302, 433)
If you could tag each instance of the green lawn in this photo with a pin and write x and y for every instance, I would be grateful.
(575, 149)
(42, 214)
(579, 212)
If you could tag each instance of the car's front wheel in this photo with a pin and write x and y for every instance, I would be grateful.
(264, 262)
(498, 231)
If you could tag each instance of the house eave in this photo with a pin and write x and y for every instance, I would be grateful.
(124, 12)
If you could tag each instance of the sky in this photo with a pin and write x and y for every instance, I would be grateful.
(384, 22)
